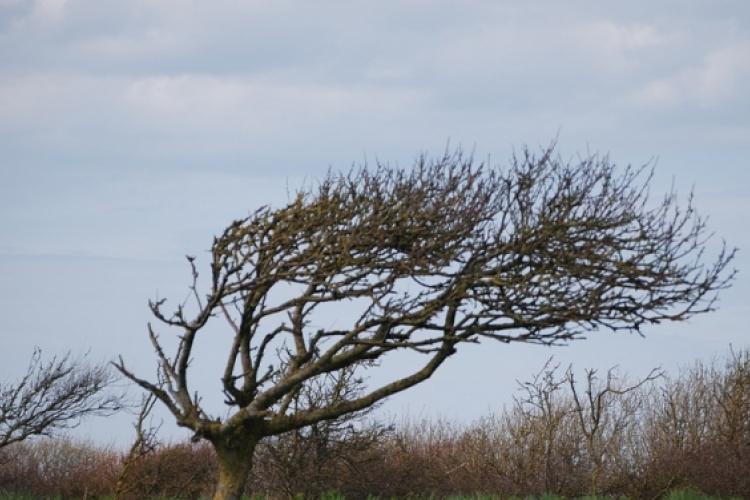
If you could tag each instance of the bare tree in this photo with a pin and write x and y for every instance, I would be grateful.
(54, 395)
(543, 417)
(422, 261)
(145, 442)
(604, 411)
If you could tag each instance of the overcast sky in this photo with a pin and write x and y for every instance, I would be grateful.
(133, 131)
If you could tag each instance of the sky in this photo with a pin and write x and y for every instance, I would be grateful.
(133, 131)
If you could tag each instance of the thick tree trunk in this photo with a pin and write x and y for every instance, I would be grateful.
(235, 459)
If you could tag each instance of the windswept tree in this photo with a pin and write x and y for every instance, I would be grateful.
(55, 395)
(365, 264)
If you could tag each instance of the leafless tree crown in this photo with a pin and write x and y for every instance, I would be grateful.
(54, 395)
(426, 259)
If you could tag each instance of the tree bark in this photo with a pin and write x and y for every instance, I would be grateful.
(235, 459)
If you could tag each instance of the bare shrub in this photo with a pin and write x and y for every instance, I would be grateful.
(480, 454)
(647, 437)
(145, 442)
(681, 412)
(540, 433)
(604, 410)
(714, 468)
(311, 461)
(696, 429)
(179, 470)
(63, 468)
(731, 395)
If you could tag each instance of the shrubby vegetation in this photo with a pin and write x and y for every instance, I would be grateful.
(675, 495)
(567, 434)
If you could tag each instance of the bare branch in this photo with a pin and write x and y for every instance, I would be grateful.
(55, 395)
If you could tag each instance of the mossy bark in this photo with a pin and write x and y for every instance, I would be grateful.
(235, 460)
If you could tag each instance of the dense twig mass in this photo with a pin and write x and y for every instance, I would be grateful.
(424, 260)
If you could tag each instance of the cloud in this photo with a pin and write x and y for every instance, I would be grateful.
(622, 48)
(193, 82)
(49, 10)
(718, 79)
(198, 100)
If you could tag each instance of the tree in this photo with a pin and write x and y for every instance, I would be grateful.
(53, 396)
(422, 261)
(604, 411)
(542, 418)
(145, 442)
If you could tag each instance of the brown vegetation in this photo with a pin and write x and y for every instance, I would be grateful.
(644, 438)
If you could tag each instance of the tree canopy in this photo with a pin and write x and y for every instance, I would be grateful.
(424, 260)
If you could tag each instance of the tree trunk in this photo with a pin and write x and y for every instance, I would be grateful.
(235, 459)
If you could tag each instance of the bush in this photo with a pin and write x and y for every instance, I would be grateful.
(183, 470)
(63, 468)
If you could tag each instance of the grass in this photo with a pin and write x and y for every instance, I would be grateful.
(15, 496)
(690, 495)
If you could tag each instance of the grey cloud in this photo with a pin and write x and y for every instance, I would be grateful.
(236, 86)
